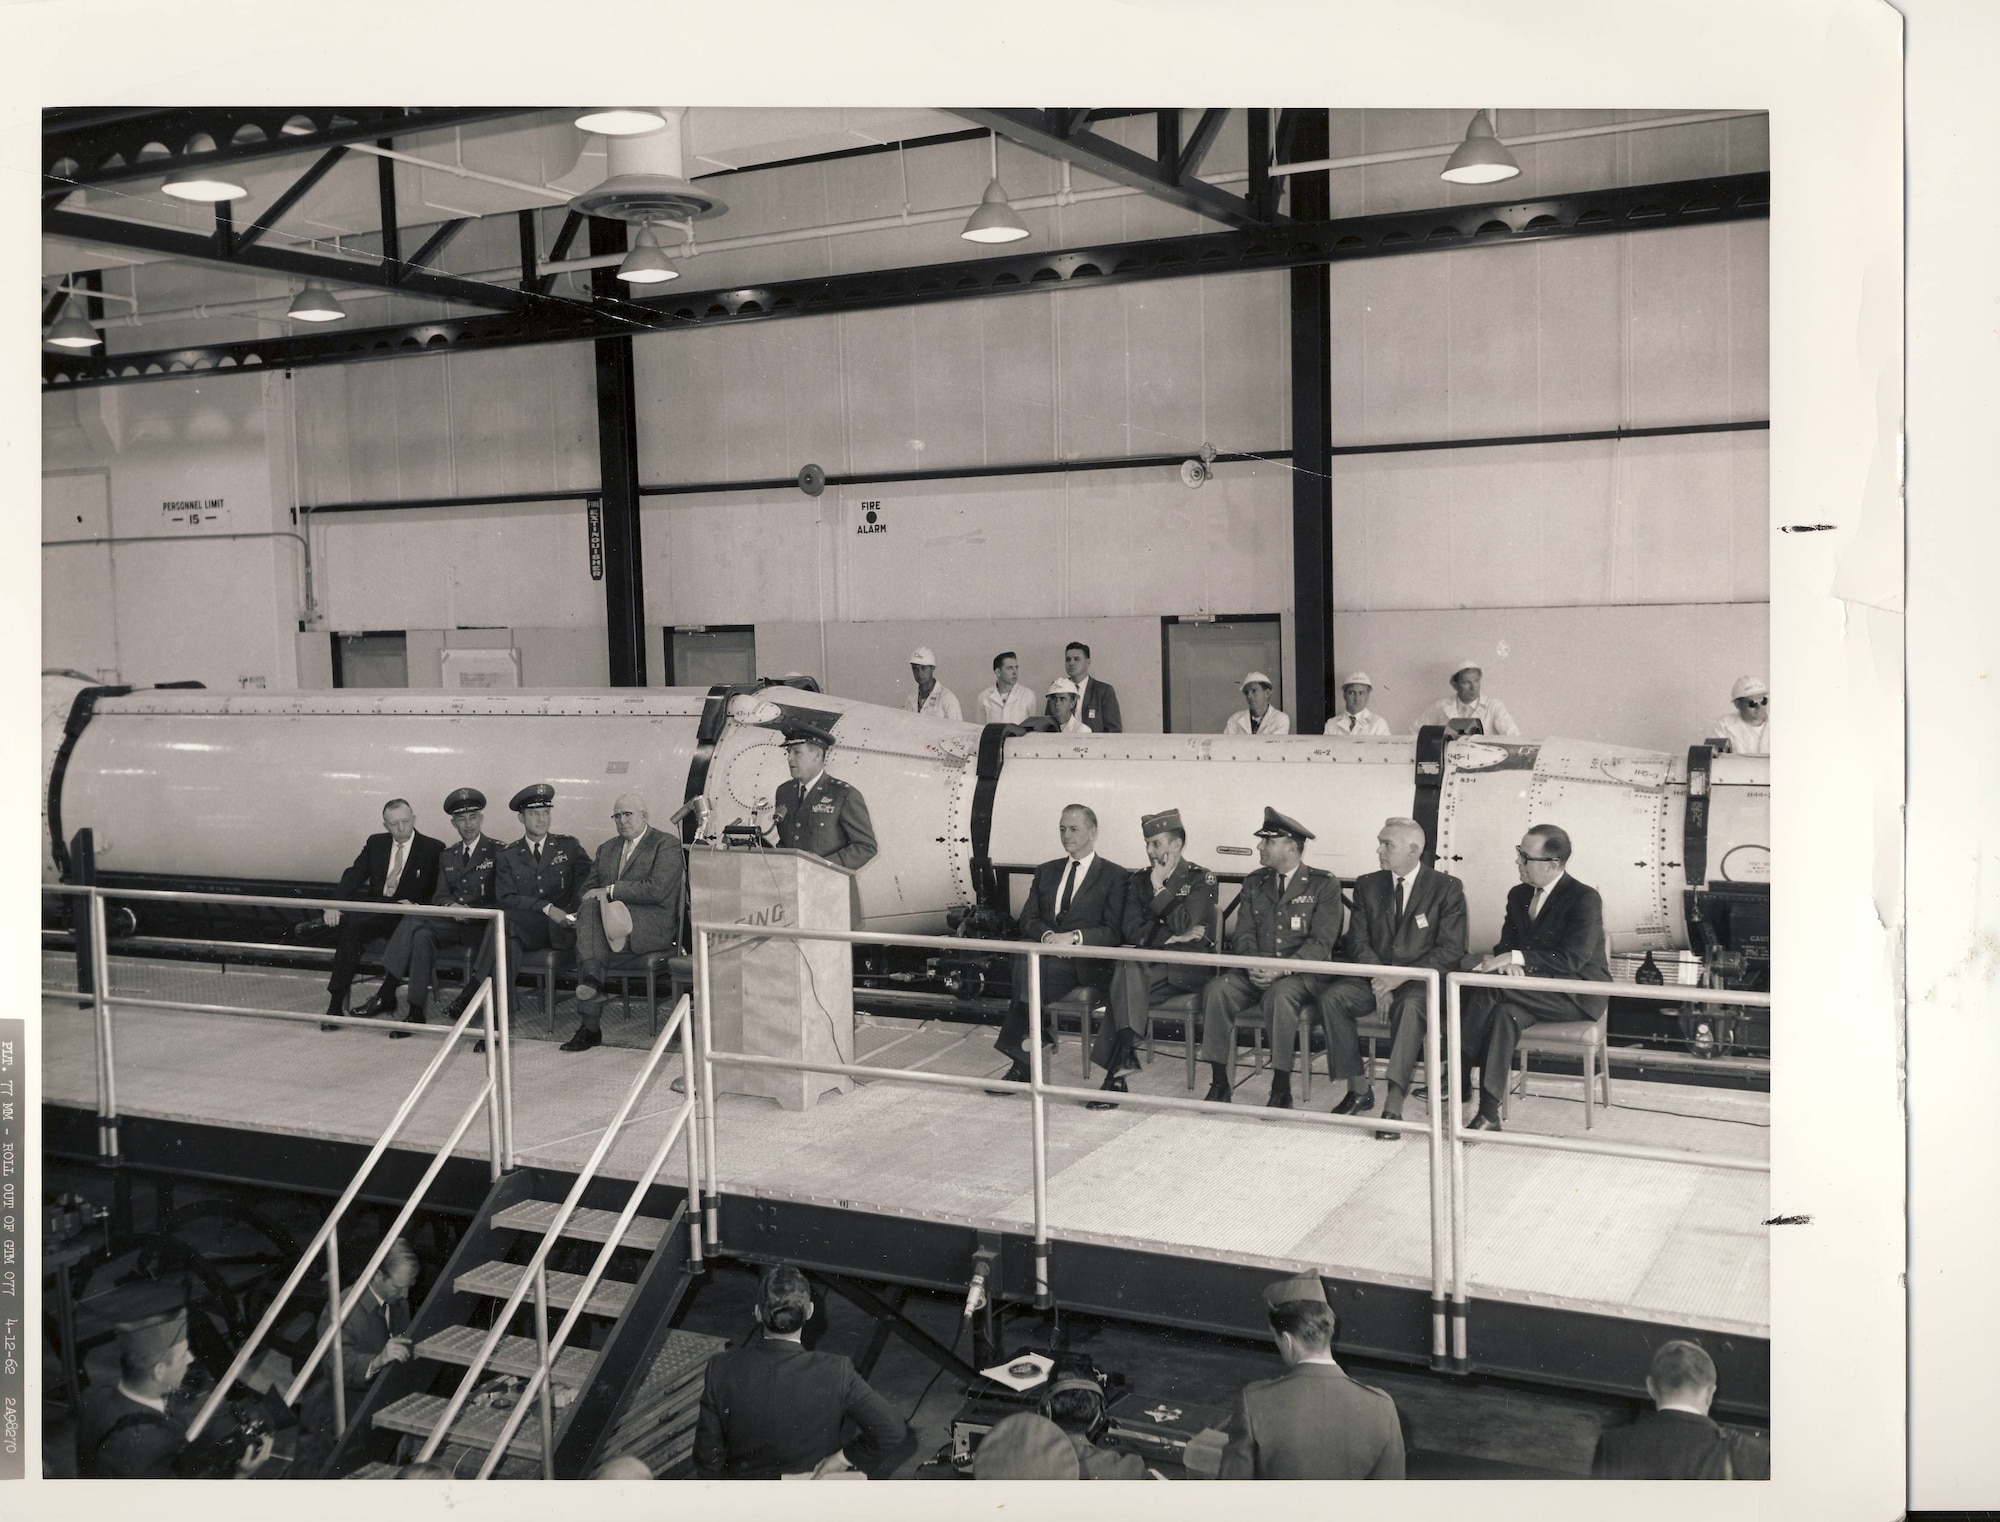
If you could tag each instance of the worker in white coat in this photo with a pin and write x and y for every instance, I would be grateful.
(1748, 729)
(1358, 720)
(1259, 718)
(932, 698)
(1466, 704)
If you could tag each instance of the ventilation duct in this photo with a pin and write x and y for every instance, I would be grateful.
(647, 183)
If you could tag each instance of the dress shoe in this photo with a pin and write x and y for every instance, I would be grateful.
(479, 1047)
(1388, 1114)
(1352, 1103)
(327, 1026)
(381, 1004)
(1281, 1099)
(414, 1017)
(1483, 1122)
(1218, 1093)
(1018, 1073)
(582, 1041)
(1112, 1085)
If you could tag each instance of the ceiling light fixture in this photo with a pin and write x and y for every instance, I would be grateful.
(647, 264)
(73, 331)
(192, 185)
(995, 221)
(621, 121)
(316, 304)
(1482, 158)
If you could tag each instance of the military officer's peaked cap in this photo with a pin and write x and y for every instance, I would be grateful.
(1285, 1291)
(467, 800)
(536, 795)
(1154, 824)
(800, 732)
(150, 1316)
(1280, 824)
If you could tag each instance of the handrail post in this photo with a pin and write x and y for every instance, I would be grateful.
(1440, 1201)
(711, 1196)
(692, 1143)
(334, 1315)
(1461, 1361)
(495, 1145)
(545, 1400)
(1038, 1119)
(100, 981)
(502, 982)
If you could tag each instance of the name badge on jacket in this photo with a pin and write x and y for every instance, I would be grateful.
(1422, 922)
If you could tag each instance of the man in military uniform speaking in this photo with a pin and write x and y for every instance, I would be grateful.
(1287, 910)
(818, 813)
(128, 1431)
(1169, 906)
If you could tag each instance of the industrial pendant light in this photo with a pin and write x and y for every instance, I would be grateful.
(1482, 158)
(621, 121)
(192, 185)
(72, 331)
(995, 221)
(647, 263)
(316, 304)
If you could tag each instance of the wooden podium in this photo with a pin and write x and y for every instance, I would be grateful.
(776, 997)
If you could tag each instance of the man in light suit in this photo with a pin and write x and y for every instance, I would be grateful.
(1554, 929)
(1097, 703)
(398, 866)
(1406, 915)
(1312, 1422)
(641, 869)
(1076, 900)
(1288, 910)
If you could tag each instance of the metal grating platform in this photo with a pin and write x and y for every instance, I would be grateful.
(1666, 1243)
(497, 1280)
(643, 1234)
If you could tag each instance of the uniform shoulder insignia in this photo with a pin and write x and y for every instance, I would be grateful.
(1208, 879)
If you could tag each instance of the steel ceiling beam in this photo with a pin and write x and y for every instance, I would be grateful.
(105, 146)
(1057, 135)
(182, 244)
(1493, 224)
(294, 193)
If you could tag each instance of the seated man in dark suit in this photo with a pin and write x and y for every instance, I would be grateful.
(635, 885)
(1076, 900)
(373, 1336)
(1676, 1440)
(398, 866)
(1313, 1422)
(1554, 929)
(1169, 906)
(1286, 910)
(771, 1408)
(1406, 915)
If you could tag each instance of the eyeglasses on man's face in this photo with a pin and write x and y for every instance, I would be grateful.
(1520, 855)
(1753, 702)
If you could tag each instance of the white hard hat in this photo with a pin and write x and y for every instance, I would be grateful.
(921, 656)
(1255, 677)
(1359, 679)
(1468, 665)
(1749, 687)
(1063, 687)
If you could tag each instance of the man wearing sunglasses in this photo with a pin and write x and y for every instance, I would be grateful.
(1748, 730)
(1554, 929)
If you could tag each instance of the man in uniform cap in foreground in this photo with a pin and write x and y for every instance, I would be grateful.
(1026, 1446)
(1312, 1422)
(1258, 717)
(931, 698)
(1169, 906)
(466, 875)
(1748, 729)
(127, 1430)
(1286, 909)
(1358, 720)
(631, 902)
(539, 880)
(1465, 705)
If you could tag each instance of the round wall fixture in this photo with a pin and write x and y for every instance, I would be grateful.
(812, 480)
(1193, 473)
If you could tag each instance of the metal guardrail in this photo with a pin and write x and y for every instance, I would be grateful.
(1040, 1091)
(488, 1005)
(1460, 1137)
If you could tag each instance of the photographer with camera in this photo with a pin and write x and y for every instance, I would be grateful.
(133, 1431)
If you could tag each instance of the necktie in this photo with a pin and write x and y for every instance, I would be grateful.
(625, 856)
(535, 850)
(395, 870)
(1068, 883)
(1535, 904)
(1399, 900)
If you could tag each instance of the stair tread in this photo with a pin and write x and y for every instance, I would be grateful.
(476, 1426)
(498, 1280)
(644, 1233)
(513, 1355)
(374, 1470)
